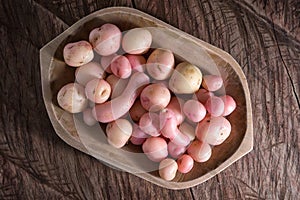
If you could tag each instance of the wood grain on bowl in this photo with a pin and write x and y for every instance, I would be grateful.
(55, 73)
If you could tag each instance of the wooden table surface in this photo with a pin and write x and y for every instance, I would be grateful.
(262, 35)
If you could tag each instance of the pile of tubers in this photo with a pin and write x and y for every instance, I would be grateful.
(145, 98)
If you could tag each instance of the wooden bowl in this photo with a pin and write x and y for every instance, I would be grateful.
(92, 140)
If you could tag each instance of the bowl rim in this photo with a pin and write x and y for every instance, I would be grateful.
(246, 144)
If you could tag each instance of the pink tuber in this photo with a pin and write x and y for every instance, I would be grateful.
(119, 106)
(169, 128)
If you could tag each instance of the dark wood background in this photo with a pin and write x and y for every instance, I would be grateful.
(262, 35)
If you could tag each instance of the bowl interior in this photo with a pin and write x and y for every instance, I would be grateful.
(130, 158)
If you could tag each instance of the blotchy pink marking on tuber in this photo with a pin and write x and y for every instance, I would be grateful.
(169, 128)
(149, 123)
(114, 109)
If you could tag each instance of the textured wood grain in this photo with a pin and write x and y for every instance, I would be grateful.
(284, 13)
(36, 164)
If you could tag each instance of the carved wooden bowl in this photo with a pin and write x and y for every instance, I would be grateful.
(92, 140)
